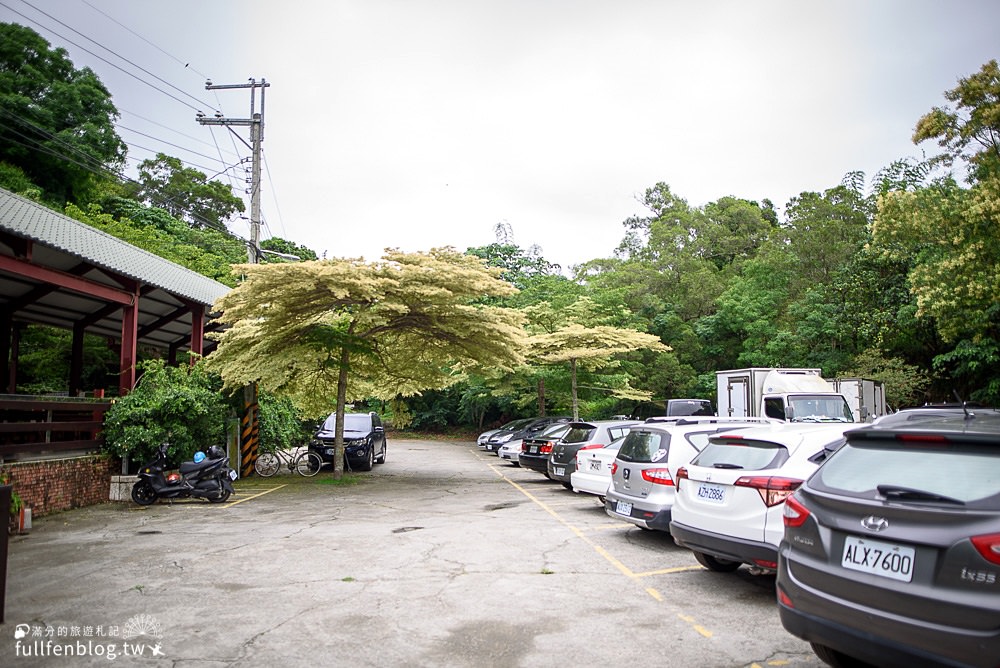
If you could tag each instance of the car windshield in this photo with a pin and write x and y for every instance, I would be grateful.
(516, 425)
(967, 474)
(352, 422)
(819, 408)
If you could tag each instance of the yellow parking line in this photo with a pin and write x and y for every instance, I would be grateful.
(625, 570)
(668, 571)
(273, 489)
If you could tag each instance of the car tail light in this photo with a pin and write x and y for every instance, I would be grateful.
(772, 489)
(614, 468)
(988, 546)
(592, 446)
(658, 476)
(545, 449)
(764, 563)
(783, 597)
(795, 514)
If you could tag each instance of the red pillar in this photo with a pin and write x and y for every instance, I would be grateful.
(197, 332)
(130, 330)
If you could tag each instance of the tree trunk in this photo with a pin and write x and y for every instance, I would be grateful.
(572, 378)
(338, 434)
(541, 397)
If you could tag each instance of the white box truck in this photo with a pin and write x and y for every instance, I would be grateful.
(865, 396)
(794, 395)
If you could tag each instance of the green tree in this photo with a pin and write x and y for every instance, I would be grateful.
(56, 122)
(352, 330)
(186, 193)
(285, 247)
(573, 335)
(178, 405)
(970, 131)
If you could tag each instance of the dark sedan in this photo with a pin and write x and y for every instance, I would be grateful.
(535, 450)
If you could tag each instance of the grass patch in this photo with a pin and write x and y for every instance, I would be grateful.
(347, 579)
(546, 571)
(346, 481)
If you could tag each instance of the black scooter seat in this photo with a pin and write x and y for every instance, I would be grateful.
(191, 467)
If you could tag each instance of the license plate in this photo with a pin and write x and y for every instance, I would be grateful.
(623, 508)
(533, 450)
(595, 465)
(232, 474)
(878, 558)
(711, 493)
(559, 470)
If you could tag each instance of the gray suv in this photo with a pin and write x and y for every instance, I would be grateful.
(891, 551)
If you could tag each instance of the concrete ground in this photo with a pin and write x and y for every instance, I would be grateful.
(442, 556)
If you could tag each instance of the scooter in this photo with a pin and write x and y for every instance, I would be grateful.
(208, 477)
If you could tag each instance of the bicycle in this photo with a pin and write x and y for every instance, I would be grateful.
(306, 463)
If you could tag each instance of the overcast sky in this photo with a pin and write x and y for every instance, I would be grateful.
(415, 124)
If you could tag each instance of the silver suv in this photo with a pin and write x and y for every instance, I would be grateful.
(891, 550)
(642, 477)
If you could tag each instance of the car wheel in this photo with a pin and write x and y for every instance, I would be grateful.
(568, 486)
(716, 565)
(370, 460)
(517, 464)
(836, 659)
(602, 499)
(384, 454)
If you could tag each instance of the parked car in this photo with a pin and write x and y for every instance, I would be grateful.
(522, 429)
(508, 428)
(364, 440)
(485, 436)
(729, 504)
(642, 476)
(535, 450)
(593, 468)
(891, 551)
(562, 461)
(905, 415)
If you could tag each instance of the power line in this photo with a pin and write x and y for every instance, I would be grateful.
(125, 27)
(105, 60)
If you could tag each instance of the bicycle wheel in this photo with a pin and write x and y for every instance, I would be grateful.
(308, 464)
(267, 464)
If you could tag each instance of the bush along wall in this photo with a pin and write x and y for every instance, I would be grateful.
(60, 484)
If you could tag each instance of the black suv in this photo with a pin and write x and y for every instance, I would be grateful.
(364, 440)
(891, 551)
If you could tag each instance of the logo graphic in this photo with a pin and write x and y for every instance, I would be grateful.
(21, 630)
(874, 523)
(142, 626)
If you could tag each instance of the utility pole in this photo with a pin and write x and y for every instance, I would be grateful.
(250, 421)
(256, 123)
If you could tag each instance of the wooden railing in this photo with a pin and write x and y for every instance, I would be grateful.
(36, 425)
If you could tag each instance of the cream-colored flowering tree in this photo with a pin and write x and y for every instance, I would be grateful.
(570, 335)
(327, 332)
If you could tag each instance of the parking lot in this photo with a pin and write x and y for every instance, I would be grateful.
(443, 556)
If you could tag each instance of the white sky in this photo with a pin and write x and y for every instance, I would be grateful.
(422, 123)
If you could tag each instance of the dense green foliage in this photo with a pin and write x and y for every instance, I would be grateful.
(56, 122)
(182, 406)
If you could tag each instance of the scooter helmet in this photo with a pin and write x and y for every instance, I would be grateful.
(199, 457)
(215, 452)
(174, 478)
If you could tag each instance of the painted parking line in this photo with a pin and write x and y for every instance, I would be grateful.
(611, 559)
(254, 496)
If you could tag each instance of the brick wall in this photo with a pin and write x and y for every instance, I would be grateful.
(59, 484)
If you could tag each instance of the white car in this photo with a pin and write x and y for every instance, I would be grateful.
(642, 477)
(729, 502)
(485, 436)
(593, 468)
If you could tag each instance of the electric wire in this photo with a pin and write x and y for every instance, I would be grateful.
(120, 69)
(92, 163)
